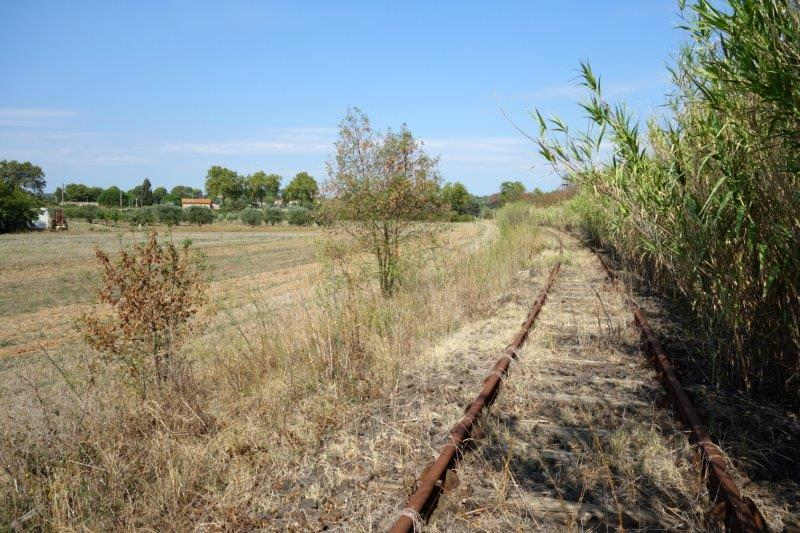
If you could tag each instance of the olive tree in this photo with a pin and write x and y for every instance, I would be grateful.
(381, 186)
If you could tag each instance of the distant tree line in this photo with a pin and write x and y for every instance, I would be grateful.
(252, 198)
(139, 196)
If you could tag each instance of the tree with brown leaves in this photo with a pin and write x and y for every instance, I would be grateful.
(151, 294)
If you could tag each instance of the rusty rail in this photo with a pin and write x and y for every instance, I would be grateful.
(422, 503)
(740, 513)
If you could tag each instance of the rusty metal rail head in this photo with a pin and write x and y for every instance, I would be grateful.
(740, 514)
(429, 486)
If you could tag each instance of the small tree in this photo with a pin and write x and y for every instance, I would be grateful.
(199, 215)
(169, 214)
(299, 216)
(251, 217)
(153, 291)
(142, 216)
(273, 215)
(382, 185)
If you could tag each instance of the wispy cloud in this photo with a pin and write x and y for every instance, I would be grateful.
(485, 151)
(28, 113)
(295, 141)
(26, 117)
(573, 91)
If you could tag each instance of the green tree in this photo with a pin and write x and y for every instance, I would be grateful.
(78, 192)
(145, 193)
(159, 194)
(459, 199)
(142, 194)
(262, 186)
(302, 189)
(382, 185)
(17, 207)
(23, 175)
(511, 191)
(172, 199)
(112, 197)
(223, 183)
(142, 216)
(182, 191)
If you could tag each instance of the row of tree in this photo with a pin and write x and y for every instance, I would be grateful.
(223, 185)
(259, 188)
(23, 186)
(141, 195)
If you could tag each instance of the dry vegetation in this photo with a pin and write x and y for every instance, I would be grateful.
(277, 373)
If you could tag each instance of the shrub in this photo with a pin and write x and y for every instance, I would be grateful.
(199, 215)
(169, 214)
(113, 215)
(142, 216)
(89, 213)
(273, 215)
(154, 291)
(461, 217)
(252, 216)
(299, 216)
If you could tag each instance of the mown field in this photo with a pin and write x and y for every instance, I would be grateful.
(49, 279)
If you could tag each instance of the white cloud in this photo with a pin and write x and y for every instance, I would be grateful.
(486, 151)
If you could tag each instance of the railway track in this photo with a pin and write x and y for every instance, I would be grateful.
(423, 501)
(735, 512)
(740, 513)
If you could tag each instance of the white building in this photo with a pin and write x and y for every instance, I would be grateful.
(43, 220)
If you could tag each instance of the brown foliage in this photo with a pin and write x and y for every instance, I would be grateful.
(154, 292)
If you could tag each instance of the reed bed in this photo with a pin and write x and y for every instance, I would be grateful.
(705, 204)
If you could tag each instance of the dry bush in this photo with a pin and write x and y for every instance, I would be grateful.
(153, 293)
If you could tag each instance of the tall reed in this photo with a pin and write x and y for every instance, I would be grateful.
(707, 203)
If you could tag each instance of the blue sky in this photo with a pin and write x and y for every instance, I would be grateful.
(111, 92)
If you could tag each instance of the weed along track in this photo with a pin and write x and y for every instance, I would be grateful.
(740, 513)
(422, 503)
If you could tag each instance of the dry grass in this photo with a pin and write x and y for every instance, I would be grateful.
(277, 378)
(578, 440)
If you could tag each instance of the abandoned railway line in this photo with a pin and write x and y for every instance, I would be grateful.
(580, 393)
